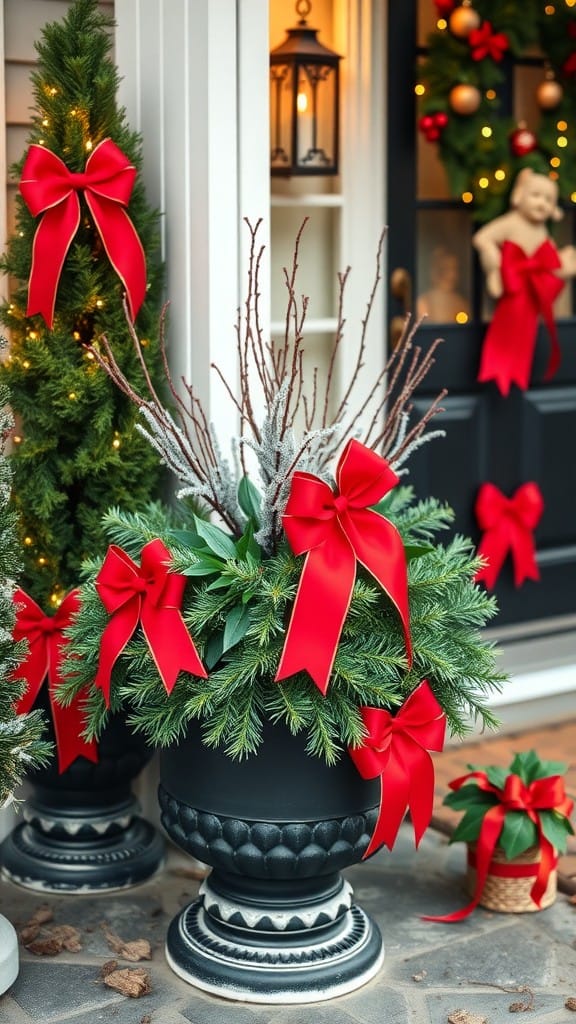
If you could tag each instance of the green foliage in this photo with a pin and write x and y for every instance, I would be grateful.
(237, 615)
(466, 153)
(78, 451)
(21, 744)
(519, 831)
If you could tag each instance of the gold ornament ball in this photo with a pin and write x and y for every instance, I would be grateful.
(463, 21)
(549, 94)
(465, 99)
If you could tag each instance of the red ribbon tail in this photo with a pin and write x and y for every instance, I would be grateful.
(319, 611)
(116, 635)
(555, 356)
(51, 243)
(171, 645)
(547, 863)
(489, 835)
(123, 247)
(393, 807)
(493, 548)
(69, 723)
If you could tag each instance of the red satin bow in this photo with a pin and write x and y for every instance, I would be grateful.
(508, 525)
(48, 187)
(336, 531)
(540, 795)
(530, 288)
(46, 647)
(396, 749)
(486, 43)
(150, 595)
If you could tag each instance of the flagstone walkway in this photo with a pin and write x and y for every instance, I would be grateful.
(478, 971)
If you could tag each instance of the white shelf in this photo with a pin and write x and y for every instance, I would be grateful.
(326, 325)
(309, 199)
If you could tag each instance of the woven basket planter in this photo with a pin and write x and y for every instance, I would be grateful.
(503, 890)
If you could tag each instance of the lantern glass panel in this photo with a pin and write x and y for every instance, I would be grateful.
(315, 123)
(281, 78)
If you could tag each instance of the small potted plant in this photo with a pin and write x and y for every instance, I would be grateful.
(296, 657)
(516, 822)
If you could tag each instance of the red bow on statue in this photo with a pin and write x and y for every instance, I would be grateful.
(150, 595)
(48, 187)
(396, 750)
(336, 531)
(486, 43)
(530, 288)
(543, 794)
(508, 525)
(46, 647)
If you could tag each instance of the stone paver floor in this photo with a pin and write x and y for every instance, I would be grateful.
(430, 970)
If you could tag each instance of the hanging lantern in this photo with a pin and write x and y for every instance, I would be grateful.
(304, 83)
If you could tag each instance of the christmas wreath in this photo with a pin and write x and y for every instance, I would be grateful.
(463, 82)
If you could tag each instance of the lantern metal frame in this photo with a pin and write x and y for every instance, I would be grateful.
(303, 55)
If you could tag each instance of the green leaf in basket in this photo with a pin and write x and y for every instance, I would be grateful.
(495, 775)
(519, 834)
(468, 829)
(556, 828)
(468, 796)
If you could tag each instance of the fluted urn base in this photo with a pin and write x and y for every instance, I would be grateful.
(8, 955)
(274, 941)
(88, 849)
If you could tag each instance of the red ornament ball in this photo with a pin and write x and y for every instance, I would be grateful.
(549, 94)
(523, 141)
(465, 99)
(463, 21)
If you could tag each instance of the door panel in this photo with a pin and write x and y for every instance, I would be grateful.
(508, 441)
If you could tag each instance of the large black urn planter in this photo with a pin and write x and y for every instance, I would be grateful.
(81, 829)
(274, 921)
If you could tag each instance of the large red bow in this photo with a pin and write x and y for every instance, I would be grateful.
(540, 795)
(336, 531)
(396, 750)
(486, 43)
(46, 648)
(530, 288)
(150, 595)
(508, 525)
(48, 187)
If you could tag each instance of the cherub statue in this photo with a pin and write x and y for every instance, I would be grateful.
(525, 272)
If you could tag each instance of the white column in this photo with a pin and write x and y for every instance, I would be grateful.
(196, 86)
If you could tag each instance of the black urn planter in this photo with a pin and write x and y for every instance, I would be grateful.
(274, 921)
(81, 829)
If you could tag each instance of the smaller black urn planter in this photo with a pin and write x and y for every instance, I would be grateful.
(274, 921)
(81, 829)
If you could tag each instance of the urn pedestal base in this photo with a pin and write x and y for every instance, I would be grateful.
(74, 849)
(267, 941)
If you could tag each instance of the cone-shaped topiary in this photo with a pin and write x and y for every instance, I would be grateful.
(76, 451)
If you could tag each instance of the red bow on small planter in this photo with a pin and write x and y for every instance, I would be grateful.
(48, 187)
(396, 749)
(337, 531)
(508, 525)
(486, 43)
(150, 595)
(540, 795)
(46, 647)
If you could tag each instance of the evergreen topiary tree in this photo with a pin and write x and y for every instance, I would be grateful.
(20, 735)
(76, 451)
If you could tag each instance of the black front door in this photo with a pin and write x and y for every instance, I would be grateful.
(528, 435)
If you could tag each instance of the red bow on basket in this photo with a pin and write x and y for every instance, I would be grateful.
(48, 187)
(508, 525)
(542, 794)
(396, 750)
(46, 648)
(150, 595)
(531, 286)
(337, 531)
